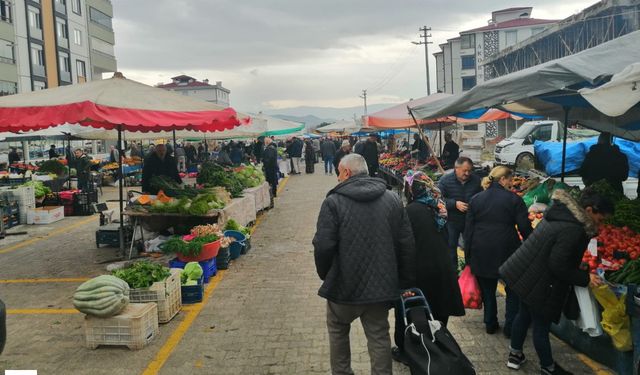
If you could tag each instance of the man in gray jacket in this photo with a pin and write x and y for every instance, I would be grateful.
(364, 253)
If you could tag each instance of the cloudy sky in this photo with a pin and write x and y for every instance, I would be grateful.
(288, 53)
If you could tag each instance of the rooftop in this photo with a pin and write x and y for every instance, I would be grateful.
(519, 22)
(511, 9)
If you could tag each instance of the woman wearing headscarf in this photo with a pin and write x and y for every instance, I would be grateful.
(491, 237)
(435, 274)
(309, 156)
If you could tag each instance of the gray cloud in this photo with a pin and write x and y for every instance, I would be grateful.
(270, 40)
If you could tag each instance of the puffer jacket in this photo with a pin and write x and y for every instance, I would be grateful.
(543, 269)
(363, 246)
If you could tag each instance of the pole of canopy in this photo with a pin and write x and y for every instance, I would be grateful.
(121, 191)
(564, 140)
(440, 131)
(426, 141)
(69, 157)
(174, 140)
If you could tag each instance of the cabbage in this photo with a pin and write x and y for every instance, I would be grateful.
(193, 270)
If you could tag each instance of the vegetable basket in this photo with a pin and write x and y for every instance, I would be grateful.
(167, 294)
(209, 251)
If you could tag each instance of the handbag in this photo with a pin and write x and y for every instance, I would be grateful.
(429, 346)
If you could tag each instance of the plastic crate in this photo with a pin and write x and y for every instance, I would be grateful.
(209, 267)
(134, 327)
(83, 203)
(193, 293)
(26, 199)
(12, 181)
(166, 293)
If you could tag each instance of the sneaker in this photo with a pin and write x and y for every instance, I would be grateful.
(516, 360)
(557, 370)
(399, 355)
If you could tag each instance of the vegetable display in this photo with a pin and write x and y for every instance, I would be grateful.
(40, 191)
(52, 166)
(213, 174)
(233, 225)
(616, 247)
(103, 296)
(172, 188)
(191, 274)
(142, 274)
(628, 274)
(193, 248)
(249, 175)
(627, 213)
(205, 230)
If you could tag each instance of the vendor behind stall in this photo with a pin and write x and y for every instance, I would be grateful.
(158, 163)
(82, 164)
(419, 149)
(605, 161)
(14, 157)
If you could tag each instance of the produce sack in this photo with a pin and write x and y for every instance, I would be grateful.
(470, 289)
(615, 321)
(589, 317)
(542, 193)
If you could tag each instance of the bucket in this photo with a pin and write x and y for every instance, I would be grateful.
(236, 246)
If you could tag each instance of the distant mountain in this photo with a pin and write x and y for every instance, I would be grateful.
(313, 116)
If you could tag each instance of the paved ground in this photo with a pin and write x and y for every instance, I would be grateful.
(263, 315)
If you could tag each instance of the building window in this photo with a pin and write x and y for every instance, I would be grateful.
(76, 6)
(101, 46)
(468, 62)
(468, 83)
(39, 85)
(536, 30)
(34, 19)
(77, 37)
(81, 69)
(511, 38)
(6, 52)
(65, 66)
(467, 41)
(100, 18)
(61, 29)
(8, 88)
(37, 60)
(5, 10)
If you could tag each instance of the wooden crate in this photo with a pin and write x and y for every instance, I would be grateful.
(167, 294)
(134, 327)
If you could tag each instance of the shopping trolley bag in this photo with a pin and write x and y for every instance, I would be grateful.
(429, 346)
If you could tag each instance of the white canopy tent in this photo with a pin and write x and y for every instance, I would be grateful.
(342, 126)
(617, 96)
(546, 89)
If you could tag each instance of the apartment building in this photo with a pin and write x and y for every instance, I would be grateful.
(50, 43)
(458, 63)
(190, 86)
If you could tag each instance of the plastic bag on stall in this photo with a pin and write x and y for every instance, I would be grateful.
(615, 321)
(542, 193)
(589, 319)
(470, 290)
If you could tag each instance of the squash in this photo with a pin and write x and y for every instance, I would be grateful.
(162, 197)
(103, 296)
(144, 199)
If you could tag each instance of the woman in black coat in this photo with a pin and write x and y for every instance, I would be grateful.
(435, 275)
(542, 271)
(491, 237)
(309, 156)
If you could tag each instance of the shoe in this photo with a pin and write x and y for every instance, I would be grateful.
(557, 370)
(399, 355)
(492, 328)
(516, 360)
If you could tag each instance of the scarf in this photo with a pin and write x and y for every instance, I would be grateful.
(425, 191)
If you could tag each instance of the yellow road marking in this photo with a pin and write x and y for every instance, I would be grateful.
(192, 313)
(54, 233)
(41, 311)
(597, 368)
(156, 365)
(60, 280)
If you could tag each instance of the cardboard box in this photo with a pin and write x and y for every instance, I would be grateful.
(45, 215)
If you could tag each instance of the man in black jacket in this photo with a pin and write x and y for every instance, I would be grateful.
(543, 269)
(457, 190)
(364, 253)
(270, 165)
(159, 163)
(370, 153)
(605, 161)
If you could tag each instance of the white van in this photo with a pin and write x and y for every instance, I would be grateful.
(518, 148)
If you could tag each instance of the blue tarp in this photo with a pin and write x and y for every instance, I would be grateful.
(549, 154)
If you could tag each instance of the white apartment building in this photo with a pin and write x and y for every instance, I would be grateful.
(458, 63)
(190, 86)
(50, 43)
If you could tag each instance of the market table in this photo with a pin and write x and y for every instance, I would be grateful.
(261, 195)
(242, 210)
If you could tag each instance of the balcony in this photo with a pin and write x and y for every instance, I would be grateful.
(38, 70)
(60, 7)
(35, 33)
(63, 42)
(65, 76)
(7, 60)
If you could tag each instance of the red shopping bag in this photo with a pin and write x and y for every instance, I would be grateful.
(470, 290)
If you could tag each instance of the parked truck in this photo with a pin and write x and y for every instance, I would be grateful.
(517, 149)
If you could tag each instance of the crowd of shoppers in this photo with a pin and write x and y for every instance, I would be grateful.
(368, 248)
